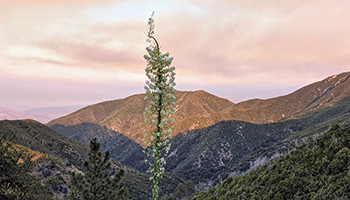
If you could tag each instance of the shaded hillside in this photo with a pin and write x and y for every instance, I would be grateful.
(121, 148)
(316, 170)
(39, 137)
(196, 110)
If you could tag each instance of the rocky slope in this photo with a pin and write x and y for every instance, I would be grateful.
(318, 169)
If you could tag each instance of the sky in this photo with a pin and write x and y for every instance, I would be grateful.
(81, 52)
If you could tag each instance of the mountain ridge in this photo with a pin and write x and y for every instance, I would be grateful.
(126, 115)
(199, 109)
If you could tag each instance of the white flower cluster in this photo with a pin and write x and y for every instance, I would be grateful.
(159, 89)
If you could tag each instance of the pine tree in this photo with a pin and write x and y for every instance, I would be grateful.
(96, 183)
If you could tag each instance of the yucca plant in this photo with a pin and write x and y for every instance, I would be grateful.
(160, 92)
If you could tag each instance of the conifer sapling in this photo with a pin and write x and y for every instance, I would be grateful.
(97, 183)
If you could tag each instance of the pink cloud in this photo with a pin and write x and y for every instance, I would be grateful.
(249, 44)
(97, 46)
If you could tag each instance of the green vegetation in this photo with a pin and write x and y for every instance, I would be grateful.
(160, 90)
(15, 180)
(97, 183)
(183, 190)
(319, 169)
(140, 187)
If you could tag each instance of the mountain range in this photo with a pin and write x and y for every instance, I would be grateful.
(10, 114)
(213, 136)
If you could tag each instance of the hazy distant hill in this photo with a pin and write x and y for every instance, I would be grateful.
(10, 114)
(51, 113)
(42, 115)
(196, 110)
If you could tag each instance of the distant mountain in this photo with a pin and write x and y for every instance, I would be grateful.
(199, 109)
(10, 114)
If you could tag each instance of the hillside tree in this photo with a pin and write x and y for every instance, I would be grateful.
(160, 92)
(97, 183)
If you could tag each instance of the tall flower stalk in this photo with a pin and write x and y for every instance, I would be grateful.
(160, 92)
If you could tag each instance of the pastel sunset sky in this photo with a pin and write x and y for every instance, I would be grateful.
(80, 52)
